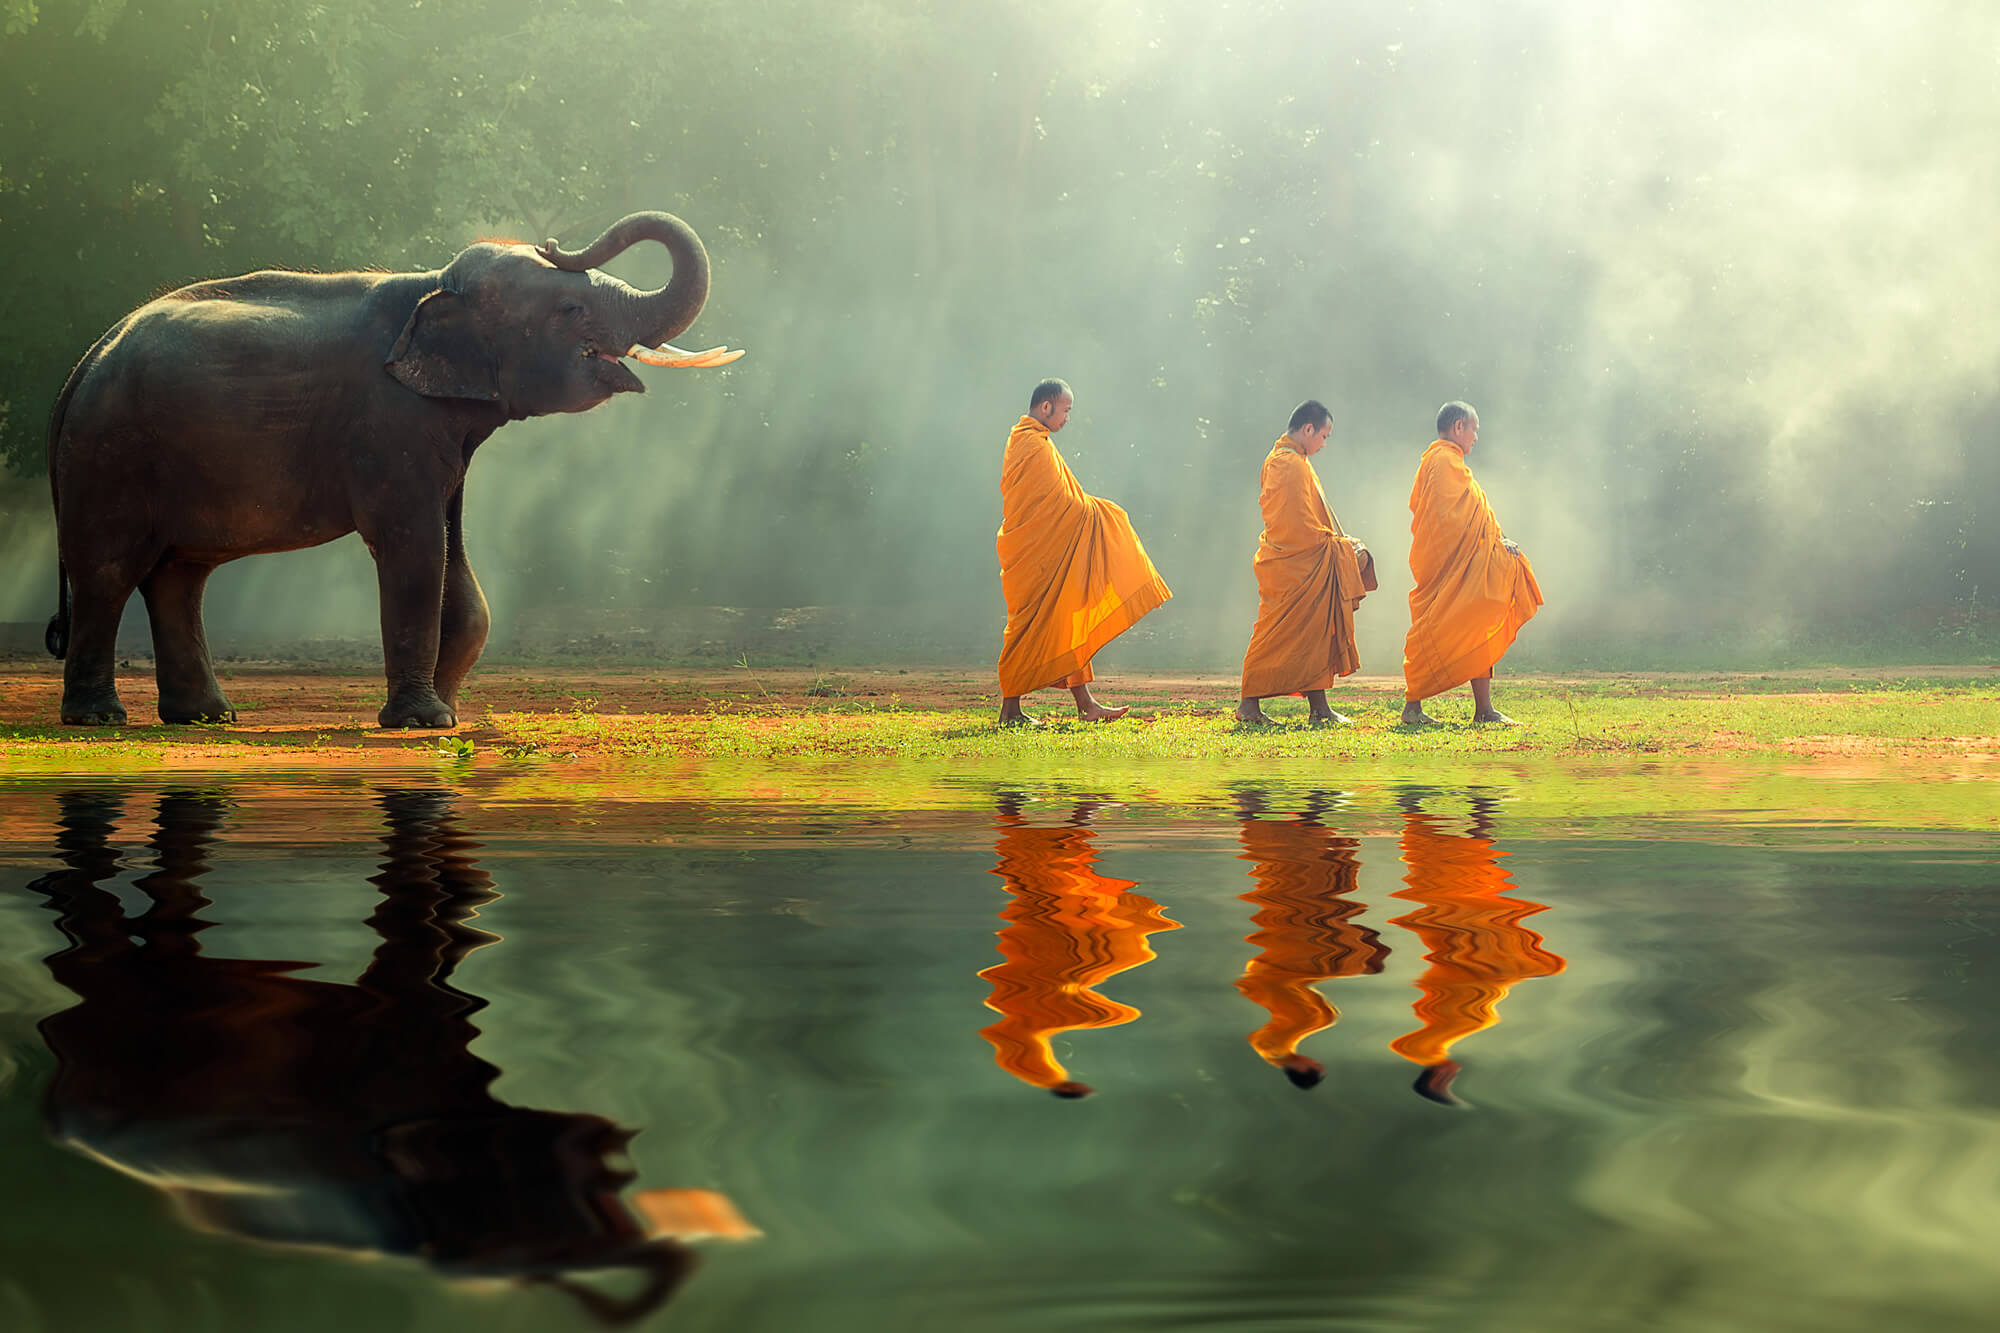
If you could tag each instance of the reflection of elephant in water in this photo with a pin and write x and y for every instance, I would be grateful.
(277, 1108)
(276, 411)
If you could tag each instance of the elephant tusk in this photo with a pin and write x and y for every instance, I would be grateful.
(666, 354)
(690, 1214)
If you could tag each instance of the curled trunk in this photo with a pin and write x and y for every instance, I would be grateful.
(660, 315)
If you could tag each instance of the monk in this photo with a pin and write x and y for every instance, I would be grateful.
(1308, 581)
(1474, 588)
(1474, 940)
(1073, 571)
(1069, 930)
(1306, 932)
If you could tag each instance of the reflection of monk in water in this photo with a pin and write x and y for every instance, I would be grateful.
(353, 1117)
(1305, 929)
(1475, 942)
(1068, 930)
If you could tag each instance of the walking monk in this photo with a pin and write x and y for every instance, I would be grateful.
(1308, 580)
(1474, 587)
(1073, 571)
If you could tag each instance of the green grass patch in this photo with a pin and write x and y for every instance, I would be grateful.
(1931, 726)
(1899, 718)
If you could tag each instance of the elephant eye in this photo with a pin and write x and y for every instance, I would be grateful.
(571, 309)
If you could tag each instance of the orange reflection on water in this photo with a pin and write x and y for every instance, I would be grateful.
(1069, 929)
(1305, 931)
(1472, 933)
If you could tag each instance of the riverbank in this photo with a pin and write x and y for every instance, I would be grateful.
(945, 714)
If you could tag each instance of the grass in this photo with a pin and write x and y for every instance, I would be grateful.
(1918, 719)
(1897, 753)
(1913, 718)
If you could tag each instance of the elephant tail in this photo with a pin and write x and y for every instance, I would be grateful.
(57, 634)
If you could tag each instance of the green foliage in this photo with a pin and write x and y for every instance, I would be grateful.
(153, 145)
(456, 749)
(1199, 213)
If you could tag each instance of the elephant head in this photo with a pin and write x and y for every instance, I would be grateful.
(537, 330)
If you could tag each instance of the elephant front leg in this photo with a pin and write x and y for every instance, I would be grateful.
(188, 688)
(410, 573)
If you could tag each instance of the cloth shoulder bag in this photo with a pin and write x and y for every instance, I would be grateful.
(1362, 555)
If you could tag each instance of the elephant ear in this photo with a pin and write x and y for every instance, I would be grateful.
(440, 353)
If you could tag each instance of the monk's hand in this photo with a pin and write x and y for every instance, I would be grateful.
(1512, 547)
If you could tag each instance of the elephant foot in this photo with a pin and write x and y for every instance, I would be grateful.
(217, 709)
(417, 709)
(94, 710)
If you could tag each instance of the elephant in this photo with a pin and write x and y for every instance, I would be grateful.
(281, 410)
(353, 1117)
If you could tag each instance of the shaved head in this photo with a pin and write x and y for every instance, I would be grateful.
(1312, 412)
(1451, 414)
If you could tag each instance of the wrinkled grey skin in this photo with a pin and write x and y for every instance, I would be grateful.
(276, 411)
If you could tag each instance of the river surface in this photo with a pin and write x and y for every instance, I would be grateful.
(344, 1051)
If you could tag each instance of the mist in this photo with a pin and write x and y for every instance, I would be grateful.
(1718, 278)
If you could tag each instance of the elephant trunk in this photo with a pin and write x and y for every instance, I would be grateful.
(655, 316)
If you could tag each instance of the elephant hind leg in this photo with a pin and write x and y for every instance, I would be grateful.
(99, 591)
(188, 689)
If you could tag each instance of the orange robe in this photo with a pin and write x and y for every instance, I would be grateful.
(1308, 584)
(1305, 929)
(1476, 945)
(1073, 571)
(1472, 594)
(1068, 929)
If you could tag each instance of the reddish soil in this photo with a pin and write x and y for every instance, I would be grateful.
(336, 705)
(288, 699)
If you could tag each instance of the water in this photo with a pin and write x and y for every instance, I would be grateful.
(343, 1051)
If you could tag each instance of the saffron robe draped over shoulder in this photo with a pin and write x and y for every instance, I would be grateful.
(1472, 594)
(1073, 571)
(1306, 932)
(1069, 930)
(1473, 935)
(1308, 584)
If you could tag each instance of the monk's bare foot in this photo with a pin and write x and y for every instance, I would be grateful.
(1072, 1090)
(1494, 717)
(1302, 1072)
(1330, 719)
(1099, 713)
(1435, 1083)
(1014, 717)
(1250, 715)
(1415, 716)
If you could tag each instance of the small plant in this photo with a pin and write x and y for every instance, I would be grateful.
(743, 665)
(457, 749)
(1575, 727)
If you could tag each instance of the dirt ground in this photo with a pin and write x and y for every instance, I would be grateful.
(285, 698)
